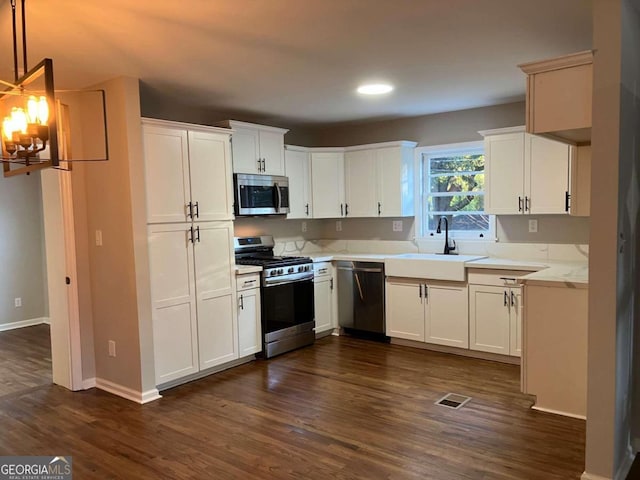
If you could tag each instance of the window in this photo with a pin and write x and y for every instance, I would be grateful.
(452, 186)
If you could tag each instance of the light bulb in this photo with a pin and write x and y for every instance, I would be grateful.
(32, 109)
(19, 120)
(43, 111)
(7, 129)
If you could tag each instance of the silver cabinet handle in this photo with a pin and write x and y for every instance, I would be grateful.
(190, 235)
(346, 209)
(513, 299)
(379, 208)
(341, 211)
(248, 282)
(506, 299)
(189, 208)
(241, 302)
(306, 209)
(426, 293)
(420, 290)
(323, 270)
(197, 207)
(198, 233)
(519, 204)
(331, 283)
(526, 204)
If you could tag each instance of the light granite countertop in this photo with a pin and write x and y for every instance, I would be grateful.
(245, 269)
(541, 271)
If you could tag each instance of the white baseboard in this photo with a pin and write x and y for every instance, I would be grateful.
(558, 412)
(590, 476)
(622, 472)
(23, 323)
(128, 393)
(88, 383)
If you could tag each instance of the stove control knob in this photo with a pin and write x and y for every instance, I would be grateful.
(273, 273)
(291, 270)
(307, 268)
(300, 269)
(280, 271)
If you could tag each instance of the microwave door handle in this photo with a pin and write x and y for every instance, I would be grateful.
(278, 196)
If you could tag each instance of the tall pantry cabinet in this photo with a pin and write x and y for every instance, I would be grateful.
(189, 194)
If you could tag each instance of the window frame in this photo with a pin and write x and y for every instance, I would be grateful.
(446, 149)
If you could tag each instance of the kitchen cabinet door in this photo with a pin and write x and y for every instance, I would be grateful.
(249, 326)
(327, 184)
(323, 304)
(515, 317)
(173, 301)
(405, 314)
(360, 183)
(504, 174)
(298, 170)
(447, 315)
(216, 293)
(245, 146)
(211, 176)
(548, 175)
(489, 319)
(166, 161)
(272, 152)
(395, 182)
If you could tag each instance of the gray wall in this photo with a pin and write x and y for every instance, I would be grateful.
(437, 129)
(22, 272)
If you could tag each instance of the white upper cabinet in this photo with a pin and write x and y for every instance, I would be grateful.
(256, 149)
(379, 180)
(297, 162)
(394, 166)
(548, 185)
(526, 174)
(327, 180)
(188, 172)
(211, 184)
(360, 183)
(504, 173)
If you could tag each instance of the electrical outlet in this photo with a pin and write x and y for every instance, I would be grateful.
(338, 225)
(397, 225)
(112, 348)
(304, 226)
(17, 302)
(98, 238)
(533, 226)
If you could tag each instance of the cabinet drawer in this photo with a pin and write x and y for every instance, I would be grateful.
(321, 269)
(498, 278)
(247, 282)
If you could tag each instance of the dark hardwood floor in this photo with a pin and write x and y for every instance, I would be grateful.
(25, 359)
(342, 409)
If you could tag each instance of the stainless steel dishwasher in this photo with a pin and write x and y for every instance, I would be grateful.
(361, 297)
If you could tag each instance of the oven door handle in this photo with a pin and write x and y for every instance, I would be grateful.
(294, 278)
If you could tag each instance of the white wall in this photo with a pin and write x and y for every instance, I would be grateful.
(22, 265)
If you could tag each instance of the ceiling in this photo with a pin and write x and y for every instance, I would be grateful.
(300, 60)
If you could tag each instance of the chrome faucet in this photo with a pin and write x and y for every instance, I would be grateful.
(447, 249)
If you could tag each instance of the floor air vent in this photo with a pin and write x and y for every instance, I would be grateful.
(453, 400)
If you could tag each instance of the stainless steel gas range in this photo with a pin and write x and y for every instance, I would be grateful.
(286, 295)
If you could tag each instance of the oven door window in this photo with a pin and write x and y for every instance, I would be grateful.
(287, 305)
(253, 196)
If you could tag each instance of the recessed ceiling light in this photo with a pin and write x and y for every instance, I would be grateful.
(375, 89)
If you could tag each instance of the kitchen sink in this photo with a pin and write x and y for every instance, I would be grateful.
(430, 266)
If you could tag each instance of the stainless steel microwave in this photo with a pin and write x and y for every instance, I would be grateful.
(260, 194)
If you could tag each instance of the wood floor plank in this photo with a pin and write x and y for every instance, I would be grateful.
(25, 359)
(342, 409)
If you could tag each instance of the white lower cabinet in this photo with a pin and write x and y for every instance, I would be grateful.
(427, 312)
(249, 319)
(495, 319)
(324, 298)
(192, 294)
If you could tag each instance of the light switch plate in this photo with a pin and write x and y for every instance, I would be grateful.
(338, 225)
(397, 225)
(304, 226)
(98, 238)
(533, 226)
